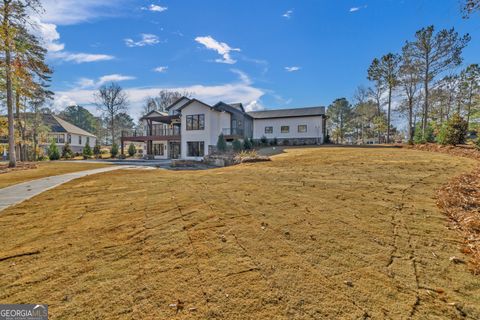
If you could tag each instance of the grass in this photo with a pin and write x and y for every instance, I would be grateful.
(315, 233)
(45, 169)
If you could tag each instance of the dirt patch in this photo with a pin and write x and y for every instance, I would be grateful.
(316, 233)
(20, 166)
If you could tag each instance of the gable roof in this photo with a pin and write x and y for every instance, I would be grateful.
(238, 106)
(176, 102)
(60, 125)
(222, 106)
(287, 113)
(192, 101)
(154, 113)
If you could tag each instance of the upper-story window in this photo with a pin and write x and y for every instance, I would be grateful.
(302, 128)
(195, 122)
(285, 129)
(57, 138)
(268, 130)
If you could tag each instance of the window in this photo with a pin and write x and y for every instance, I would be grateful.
(268, 130)
(69, 138)
(88, 140)
(302, 128)
(158, 149)
(80, 140)
(195, 148)
(196, 122)
(57, 138)
(285, 129)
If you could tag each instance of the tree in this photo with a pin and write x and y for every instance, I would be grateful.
(221, 143)
(67, 152)
(385, 71)
(14, 18)
(164, 99)
(237, 145)
(114, 150)
(53, 152)
(87, 151)
(340, 114)
(470, 6)
(97, 149)
(435, 53)
(131, 150)
(111, 100)
(409, 81)
(80, 117)
(469, 88)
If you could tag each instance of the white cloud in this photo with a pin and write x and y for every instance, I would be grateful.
(221, 48)
(85, 83)
(80, 57)
(355, 9)
(288, 14)
(292, 69)
(69, 12)
(161, 69)
(244, 78)
(147, 40)
(254, 106)
(155, 8)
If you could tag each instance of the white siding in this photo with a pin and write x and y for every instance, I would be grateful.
(314, 128)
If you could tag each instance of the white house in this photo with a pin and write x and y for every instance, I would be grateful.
(62, 131)
(189, 128)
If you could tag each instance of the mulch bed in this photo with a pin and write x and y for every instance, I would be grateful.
(460, 201)
(20, 166)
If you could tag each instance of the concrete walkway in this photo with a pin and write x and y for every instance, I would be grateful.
(20, 192)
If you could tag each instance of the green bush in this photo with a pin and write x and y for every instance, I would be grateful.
(97, 150)
(87, 151)
(221, 143)
(453, 132)
(418, 138)
(237, 145)
(114, 150)
(131, 150)
(67, 152)
(53, 152)
(477, 144)
(264, 140)
(274, 142)
(247, 145)
(286, 142)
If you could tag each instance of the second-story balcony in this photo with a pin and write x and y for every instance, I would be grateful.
(232, 133)
(155, 132)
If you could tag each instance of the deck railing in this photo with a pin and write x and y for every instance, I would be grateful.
(156, 131)
(232, 131)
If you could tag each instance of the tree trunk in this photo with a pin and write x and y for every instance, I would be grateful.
(113, 128)
(410, 121)
(425, 108)
(8, 74)
(388, 112)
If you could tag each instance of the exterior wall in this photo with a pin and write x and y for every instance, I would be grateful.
(173, 110)
(213, 122)
(75, 145)
(314, 129)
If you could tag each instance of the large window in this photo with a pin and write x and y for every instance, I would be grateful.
(158, 149)
(195, 148)
(302, 128)
(196, 122)
(58, 138)
(284, 129)
(268, 130)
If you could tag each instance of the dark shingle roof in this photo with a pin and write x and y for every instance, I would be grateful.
(286, 113)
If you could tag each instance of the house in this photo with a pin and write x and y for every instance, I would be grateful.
(189, 128)
(62, 131)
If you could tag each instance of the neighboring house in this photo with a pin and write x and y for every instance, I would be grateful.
(62, 131)
(189, 128)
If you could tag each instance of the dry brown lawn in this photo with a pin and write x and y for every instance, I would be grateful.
(46, 169)
(317, 233)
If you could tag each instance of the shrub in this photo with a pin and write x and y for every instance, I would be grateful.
(274, 142)
(131, 150)
(263, 140)
(247, 145)
(477, 144)
(286, 142)
(87, 151)
(327, 138)
(237, 145)
(53, 152)
(97, 151)
(453, 132)
(114, 150)
(221, 143)
(418, 138)
(67, 152)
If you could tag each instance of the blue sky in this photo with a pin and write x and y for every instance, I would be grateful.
(268, 54)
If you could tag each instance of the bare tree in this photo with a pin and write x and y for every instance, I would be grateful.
(111, 100)
(164, 99)
(435, 53)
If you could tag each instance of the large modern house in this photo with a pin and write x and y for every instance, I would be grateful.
(189, 128)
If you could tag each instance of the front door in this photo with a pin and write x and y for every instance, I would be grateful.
(174, 150)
